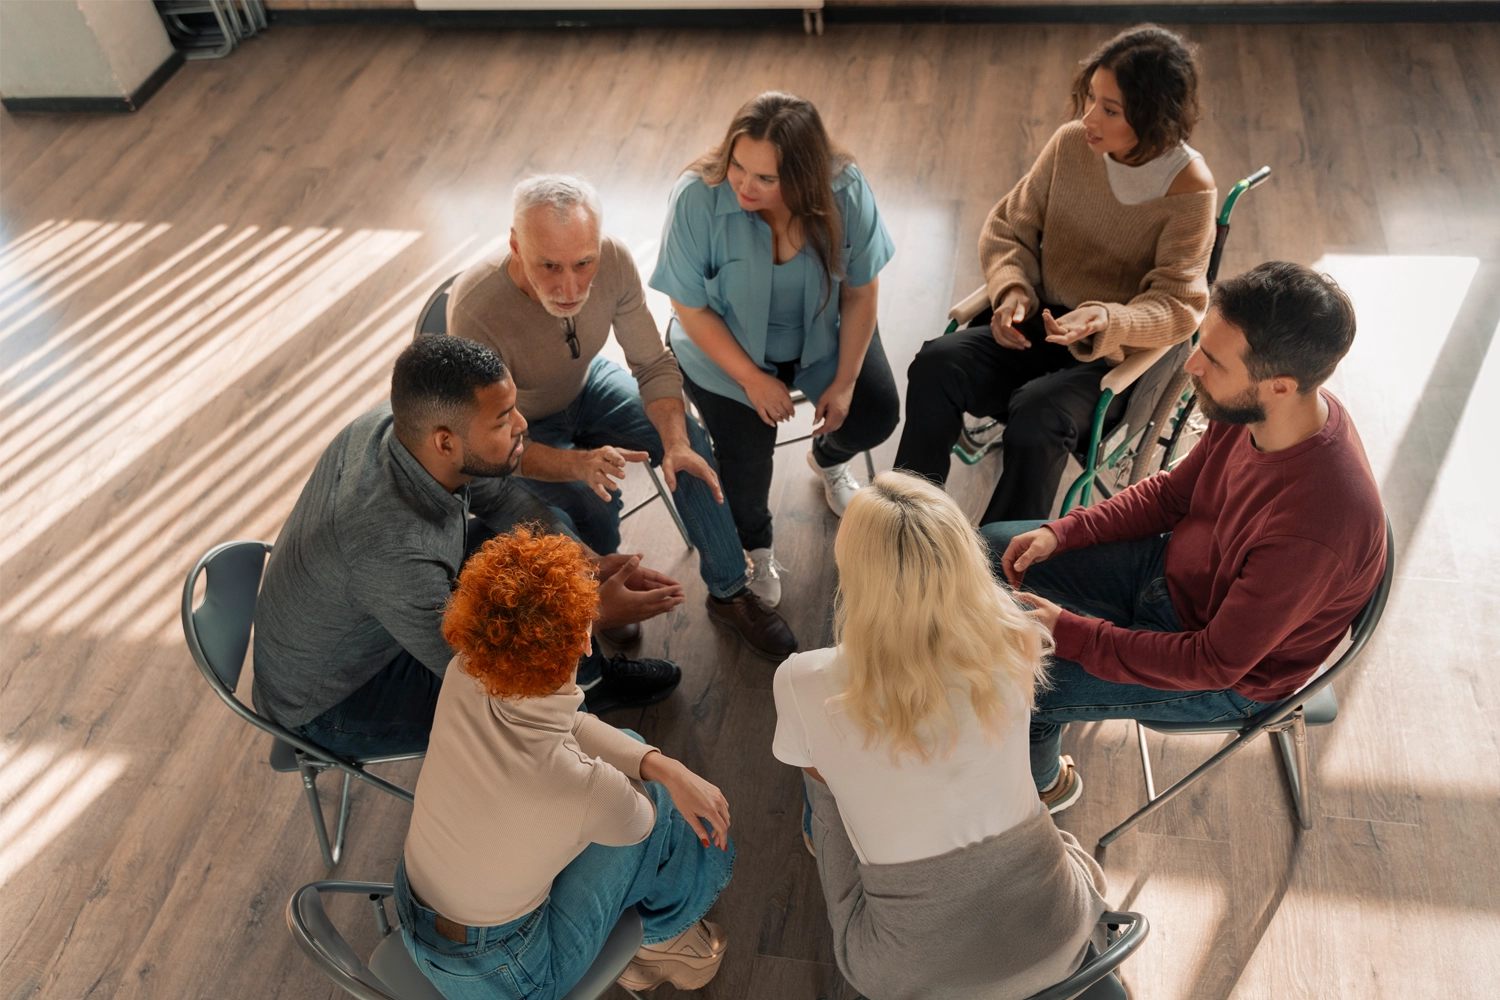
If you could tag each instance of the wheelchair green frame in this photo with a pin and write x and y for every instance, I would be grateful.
(1081, 492)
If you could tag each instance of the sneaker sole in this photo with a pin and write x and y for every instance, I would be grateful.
(1072, 796)
(729, 623)
(647, 975)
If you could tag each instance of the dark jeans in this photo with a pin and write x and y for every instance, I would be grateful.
(1124, 583)
(392, 712)
(1044, 395)
(609, 411)
(745, 445)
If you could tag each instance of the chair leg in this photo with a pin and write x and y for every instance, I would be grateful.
(310, 786)
(338, 843)
(870, 466)
(1140, 735)
(1292, 738)
(661, 491)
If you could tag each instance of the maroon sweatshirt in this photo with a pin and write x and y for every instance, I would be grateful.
(1271, 557)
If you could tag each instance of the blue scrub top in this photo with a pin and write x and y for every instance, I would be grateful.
(716, 254)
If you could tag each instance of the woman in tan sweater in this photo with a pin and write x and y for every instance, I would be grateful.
(535, 825)
(1101, 250)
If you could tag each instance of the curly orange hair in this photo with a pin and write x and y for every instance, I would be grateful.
(522, 612)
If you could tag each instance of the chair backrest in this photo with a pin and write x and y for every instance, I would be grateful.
(1107, 961)
(434, 315)
(1360, 632)
(218, 631)
(326, 947)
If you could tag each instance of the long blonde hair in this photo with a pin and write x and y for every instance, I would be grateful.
(919, 614)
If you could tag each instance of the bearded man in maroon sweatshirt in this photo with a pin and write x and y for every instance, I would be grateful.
(1213, 590)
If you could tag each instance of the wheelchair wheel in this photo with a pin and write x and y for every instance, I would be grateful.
(1176, 425)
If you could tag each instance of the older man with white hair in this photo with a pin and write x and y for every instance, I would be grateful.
(546, 307)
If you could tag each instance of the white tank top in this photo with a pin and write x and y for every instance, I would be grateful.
(1150, 180)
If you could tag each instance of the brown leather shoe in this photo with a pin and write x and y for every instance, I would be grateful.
(762, 629)
(688, 961)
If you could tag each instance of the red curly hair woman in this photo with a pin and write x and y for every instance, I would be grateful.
(536, 825)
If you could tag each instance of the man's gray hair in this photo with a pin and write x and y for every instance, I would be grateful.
(560, 192)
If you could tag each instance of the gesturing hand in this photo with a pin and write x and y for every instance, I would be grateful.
(1074, 326)
(602, 467)
(629, 593)
(694, 797)
(682, 458)
(771, 398)
(1042, 610)
(1012, 309)
(1024, 550)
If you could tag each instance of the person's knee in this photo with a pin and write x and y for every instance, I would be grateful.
(937, 362)
(1038, 420)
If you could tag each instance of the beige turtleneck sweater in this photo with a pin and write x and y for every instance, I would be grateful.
(510, 793)
(1146, 264)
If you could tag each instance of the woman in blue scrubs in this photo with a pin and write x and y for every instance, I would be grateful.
(770, 256)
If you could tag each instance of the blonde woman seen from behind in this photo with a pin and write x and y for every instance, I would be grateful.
(943, 874)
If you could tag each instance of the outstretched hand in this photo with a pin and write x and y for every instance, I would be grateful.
(1072, 327)
(629, 592)
(683, 458)
(1024, 551)
(695, 798)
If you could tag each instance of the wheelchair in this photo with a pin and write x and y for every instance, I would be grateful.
(1161, 422)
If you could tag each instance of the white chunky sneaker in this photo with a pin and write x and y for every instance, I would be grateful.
(839, 484)
(765, 576)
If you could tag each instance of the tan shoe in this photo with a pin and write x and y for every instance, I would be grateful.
(688, 961)
(1069, 787)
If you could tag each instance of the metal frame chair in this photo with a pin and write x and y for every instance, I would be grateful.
(1167, 401)
(433, 319)
(1094, 980)
(218, 636)
(1314, 705)
(390, 973)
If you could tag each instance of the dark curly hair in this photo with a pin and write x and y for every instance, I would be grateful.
(522, 612)
(1158, 75)
(434, 382)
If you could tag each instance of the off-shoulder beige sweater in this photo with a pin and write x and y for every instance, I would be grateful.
(1063, 236)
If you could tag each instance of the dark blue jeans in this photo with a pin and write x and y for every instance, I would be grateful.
(1124, 583)
(609, 411)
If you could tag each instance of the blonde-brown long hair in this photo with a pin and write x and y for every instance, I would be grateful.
(919, 615)
(807, 163)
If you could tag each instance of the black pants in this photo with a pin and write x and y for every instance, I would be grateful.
(1045, 396)
(745, 445)
(392, 712)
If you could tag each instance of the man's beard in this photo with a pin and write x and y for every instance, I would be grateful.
(480, 469)
(1245, 408)
(554, 309)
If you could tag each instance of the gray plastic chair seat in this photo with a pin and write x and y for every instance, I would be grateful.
(1319, 710)
(283, 756)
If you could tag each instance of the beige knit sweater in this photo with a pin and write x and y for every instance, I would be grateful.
(1146, 264)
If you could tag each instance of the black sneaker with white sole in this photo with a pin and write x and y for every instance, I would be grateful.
(631, 683)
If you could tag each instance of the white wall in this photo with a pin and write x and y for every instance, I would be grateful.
(79, 48)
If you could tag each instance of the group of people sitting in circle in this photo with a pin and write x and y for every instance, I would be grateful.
(444, 579)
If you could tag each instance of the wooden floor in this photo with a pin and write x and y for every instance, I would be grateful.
(197, 297)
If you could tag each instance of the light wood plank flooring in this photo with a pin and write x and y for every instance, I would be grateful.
(198, 296)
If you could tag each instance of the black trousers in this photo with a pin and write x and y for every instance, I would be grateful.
(1045, 396)
(746, 447)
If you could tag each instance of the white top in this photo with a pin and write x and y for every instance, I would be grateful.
(917, 809)
(1150, 180)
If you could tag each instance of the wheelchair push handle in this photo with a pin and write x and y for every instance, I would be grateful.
(1245, 184)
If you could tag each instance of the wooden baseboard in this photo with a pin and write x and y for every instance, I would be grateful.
(99, 105)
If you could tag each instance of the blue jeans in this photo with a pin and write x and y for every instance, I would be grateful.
(609, 411)
(669, 877)
(1124, 583)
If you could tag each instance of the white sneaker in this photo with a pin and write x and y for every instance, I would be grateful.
(839, 484)
(765, 576)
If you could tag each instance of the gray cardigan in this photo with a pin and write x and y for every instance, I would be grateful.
(998, 920)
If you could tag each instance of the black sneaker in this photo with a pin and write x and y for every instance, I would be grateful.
(627, 683)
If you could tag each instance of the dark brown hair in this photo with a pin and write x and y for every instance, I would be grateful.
(1297, 323)
(807, 163)
(1158, 75)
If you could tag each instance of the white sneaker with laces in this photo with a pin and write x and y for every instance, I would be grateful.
(765, 576)
(839, 484)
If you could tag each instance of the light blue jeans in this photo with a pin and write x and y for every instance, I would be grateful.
(1124, 583)
(609, 411)
(670, 878)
